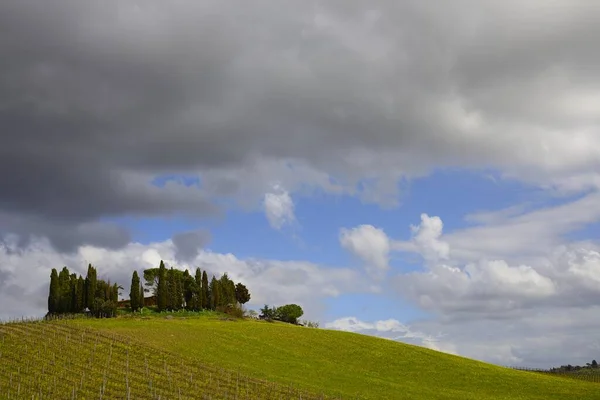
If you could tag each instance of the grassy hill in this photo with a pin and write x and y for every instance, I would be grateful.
(208, 357)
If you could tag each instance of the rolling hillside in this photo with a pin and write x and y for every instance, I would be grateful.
(210, 357)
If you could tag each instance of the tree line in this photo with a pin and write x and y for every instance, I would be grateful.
(71, 294)
(570, 368)
(172, 290)
(176, 290)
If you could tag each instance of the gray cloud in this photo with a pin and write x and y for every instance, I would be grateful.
(99, 97)
(189, 244)
(64, 235)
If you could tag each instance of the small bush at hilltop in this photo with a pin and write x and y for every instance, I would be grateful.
(310, 324)
(234, 310)
(288, 313)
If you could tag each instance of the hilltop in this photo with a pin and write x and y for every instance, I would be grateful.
(318, 361)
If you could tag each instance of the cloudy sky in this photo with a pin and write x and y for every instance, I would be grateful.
(423, 171)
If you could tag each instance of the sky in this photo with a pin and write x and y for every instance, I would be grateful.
(425, 172)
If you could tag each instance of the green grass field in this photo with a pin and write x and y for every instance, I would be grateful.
(207, 357)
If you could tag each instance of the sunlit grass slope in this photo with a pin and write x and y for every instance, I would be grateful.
(61, 360)
(340, 363)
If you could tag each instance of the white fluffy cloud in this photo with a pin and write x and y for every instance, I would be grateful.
(426, 239)
(485, 288)
(279, 208)
(471, 278)
(371, 245)
(507, 281)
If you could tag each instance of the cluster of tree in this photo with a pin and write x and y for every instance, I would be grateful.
(288, 313)
(70, 294)
(176, 290)
(569, 367)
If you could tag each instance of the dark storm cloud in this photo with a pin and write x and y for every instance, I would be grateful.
(64, 235)
(189, 244)
(99, 97)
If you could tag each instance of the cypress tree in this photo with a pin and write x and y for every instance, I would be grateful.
(134, 292)
(64, 287)
(170, 289)
(161, 288)
(106, 291)
(189, 291)
(178, 290)
(142, 297)
(73, 290)
(91, 284)
(205, 291)
(215, 292)
(114, 293)
(198, 295)
(175, 289)
(80, 294)
(187, 300)
(53, 295)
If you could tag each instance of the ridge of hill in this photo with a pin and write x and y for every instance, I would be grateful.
(211, 357)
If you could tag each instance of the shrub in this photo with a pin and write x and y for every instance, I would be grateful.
(267, 313)
(289, 313)
(233, 310)
(310, 324)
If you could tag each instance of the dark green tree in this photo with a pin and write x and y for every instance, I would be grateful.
(267, 313)
(189, 291)
(80, 302)
(91, 280)
(171, 299)
(227, 290)
(242, 295)
(134, 292)
(178, 287)
(73, 290)
(65, 293)
(162, 289)
(54, 293)
(215, 292)
(205, 291)
(69, 293)
(198, 302)
(289, 313)
(114, 293)
(142, 296)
